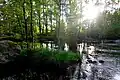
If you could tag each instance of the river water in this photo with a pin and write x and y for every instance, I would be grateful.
(110, 69)
(100, 64)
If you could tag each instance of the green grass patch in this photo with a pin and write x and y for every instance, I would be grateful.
(50, 55)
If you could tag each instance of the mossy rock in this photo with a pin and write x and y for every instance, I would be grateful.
(8, 50)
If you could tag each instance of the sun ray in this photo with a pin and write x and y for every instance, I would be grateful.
(91, 12)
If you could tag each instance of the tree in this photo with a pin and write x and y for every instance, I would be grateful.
(106, 26)
(72, 25)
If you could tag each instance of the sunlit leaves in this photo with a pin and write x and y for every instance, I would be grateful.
(107, 26)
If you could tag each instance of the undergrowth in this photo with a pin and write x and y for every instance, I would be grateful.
(50, 55)
(34, 64)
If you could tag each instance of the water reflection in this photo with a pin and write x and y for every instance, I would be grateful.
(109, 70)
(49, 45)
(66, 48)
(91, 49)
(44, 45)
(117, 77)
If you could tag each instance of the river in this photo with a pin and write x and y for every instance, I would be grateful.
(99, 63)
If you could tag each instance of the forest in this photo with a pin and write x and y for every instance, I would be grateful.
(48, 39)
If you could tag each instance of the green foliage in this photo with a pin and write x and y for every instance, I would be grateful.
(107, 26)
(50, 55)
(12, 44)
(28, 18)
(66, 56)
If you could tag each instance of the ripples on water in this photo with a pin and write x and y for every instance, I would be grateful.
(111, 65)
(109, 70)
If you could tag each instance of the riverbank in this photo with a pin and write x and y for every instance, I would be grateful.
(40, 63)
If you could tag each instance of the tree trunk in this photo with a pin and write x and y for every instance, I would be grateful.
(25, 23)
(46, 24)
(39, 22)
(31, 25)
(46, 21)
(43, 17)
(73, 47)
(51, 20)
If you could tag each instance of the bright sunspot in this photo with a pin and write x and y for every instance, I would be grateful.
(90, 12)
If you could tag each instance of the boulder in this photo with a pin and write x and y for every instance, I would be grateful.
(101, 61)
(8, 50)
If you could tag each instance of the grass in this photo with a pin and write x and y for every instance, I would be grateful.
(50, 55)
